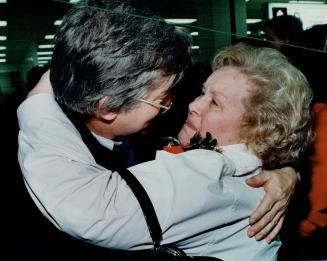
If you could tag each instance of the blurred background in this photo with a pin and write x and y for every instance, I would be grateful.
(27, 28)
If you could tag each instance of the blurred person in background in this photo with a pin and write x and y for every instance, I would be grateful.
(282, 29)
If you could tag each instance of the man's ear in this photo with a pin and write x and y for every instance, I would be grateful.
(107, 116)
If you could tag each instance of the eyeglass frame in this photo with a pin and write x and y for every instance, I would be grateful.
(163, 108)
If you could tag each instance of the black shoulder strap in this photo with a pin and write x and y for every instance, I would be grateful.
(112, 161)
(146, 205)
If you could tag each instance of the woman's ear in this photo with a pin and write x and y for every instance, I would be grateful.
(107, 116)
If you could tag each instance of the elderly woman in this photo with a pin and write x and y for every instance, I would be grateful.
(263, 103)
(255, 103)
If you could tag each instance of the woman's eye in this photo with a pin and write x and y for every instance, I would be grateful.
(216, 105)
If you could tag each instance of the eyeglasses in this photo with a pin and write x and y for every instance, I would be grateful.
(164, 106)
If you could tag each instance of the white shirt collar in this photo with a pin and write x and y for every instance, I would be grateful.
(109, 144)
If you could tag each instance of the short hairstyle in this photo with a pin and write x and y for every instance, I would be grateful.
(114, 49)
(285, 27)
(277, 124)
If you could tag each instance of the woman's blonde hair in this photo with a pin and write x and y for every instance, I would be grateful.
(278, 118)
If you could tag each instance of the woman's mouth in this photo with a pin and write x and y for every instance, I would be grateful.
(190, 125)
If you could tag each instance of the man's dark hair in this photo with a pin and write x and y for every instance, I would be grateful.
(114, 49)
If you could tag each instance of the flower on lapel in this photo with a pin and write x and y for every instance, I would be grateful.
(207, 143)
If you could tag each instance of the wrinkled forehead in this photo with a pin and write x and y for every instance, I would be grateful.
(230, 81)
(228, 73)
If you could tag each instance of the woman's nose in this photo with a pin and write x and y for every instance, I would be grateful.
(197, 105)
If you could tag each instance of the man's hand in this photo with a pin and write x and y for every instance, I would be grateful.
(43, 86)
(267, 219)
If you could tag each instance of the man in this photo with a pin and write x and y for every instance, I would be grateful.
(282, 29)
(112, 71)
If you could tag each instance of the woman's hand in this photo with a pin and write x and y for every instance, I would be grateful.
(43, 86)
(267, 219)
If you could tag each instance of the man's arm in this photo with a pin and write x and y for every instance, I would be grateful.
(268, 218)
(92, 203)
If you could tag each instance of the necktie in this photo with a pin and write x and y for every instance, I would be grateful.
(125, 150)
